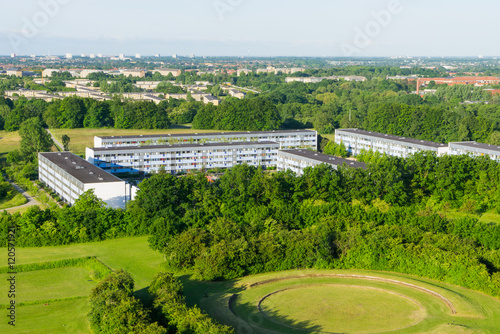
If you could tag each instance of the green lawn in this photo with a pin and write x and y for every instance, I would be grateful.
(131, 254)
(339, 308)
(62, 317)
(82, 138)
(70, 316)
(17, 200)
(9, 141)
(58, 283)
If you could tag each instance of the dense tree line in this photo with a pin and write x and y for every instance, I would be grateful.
(257, 114)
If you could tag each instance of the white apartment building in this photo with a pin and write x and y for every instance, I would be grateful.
(356, 140)
(182, 158)
(47, 73)
(475, 149)
(133, 73)
(319, 79)
(166, 71)
(70, 176)
(15, 72)
(298, 160)
(288, 139)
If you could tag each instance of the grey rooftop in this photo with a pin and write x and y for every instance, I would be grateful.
(325, 158)
(183, 146)
(392, 137)
(79, 168)
(166, 135)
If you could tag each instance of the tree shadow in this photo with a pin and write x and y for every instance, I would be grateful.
(220, 300)
(268, 320)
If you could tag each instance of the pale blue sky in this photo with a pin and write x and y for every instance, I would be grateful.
(252, 27)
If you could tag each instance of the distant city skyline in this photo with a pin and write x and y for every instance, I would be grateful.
(363, 28)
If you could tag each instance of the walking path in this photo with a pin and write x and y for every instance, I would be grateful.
(31, 200)
(57, 142)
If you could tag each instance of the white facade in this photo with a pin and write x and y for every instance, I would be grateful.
(48, 72)
(288, 139)
(475, 149)
(298, 160)
(70, 176)
(356, 140)
(182, 158)
(166, 72)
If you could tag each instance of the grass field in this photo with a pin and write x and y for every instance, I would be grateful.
(9, 141)
(340, 308)
(82, 138)
(17, 200)
(50, 284)
(65, 289)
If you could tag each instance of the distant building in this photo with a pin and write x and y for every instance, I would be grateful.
(70, 176)
(15, 72)
(147, 85)
(69, 56)
(138, 55)
(210, 99)
(356, 140)
(319, 79)
(134, 73)
(243, 71)
(298, 160)
(47, 73)
(85, 73)
(166, 71)
(451, 81)
(475, 149)
(236, 93)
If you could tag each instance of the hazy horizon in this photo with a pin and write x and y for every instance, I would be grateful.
(320, 28)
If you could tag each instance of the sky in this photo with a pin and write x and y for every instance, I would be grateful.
(313, 28)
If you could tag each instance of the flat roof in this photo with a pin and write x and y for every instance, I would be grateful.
(167, 135)
(79, 168)
(476, 145)
(200, 146)
(392, 137)
(325, 158)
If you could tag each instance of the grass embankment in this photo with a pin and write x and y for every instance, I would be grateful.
(82, 138)
(312, 301)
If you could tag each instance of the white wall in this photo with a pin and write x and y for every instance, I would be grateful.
(113, 193)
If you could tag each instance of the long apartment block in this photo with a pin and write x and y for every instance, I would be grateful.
(356, 140)
(183, 157)
(475, 149)
(70, 176)
(298, 160)
(288, 139)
